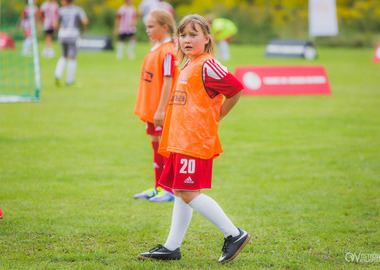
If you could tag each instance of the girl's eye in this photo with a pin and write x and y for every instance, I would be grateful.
(192, 35)
(182, 35)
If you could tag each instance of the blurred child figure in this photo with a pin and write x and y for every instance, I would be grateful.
(223, 31)
(190, 140)
(158, 75)
(145, 7)
(165, 5)
(25, 22)
(125, 28)
(49, 12)
(70, 17)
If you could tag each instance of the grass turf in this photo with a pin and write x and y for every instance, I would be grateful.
(300, 173)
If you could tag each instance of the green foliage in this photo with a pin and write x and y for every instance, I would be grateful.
(257, 29)
(258, 20)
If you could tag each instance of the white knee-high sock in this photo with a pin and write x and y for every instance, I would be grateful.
(131, 47)
(26, 45)
(71, 68)
(181, 218)
(211, 210)
(60, 67)
(119, 50)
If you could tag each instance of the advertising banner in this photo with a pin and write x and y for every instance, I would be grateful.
(323, 18)
(376, 55)
(283, 80)
(290, 48)
(6, 42)
(95, 43)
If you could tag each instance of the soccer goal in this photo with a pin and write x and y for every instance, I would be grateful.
(20, 78)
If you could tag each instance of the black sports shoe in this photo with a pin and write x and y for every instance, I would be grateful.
(233, 245)
(161, 253)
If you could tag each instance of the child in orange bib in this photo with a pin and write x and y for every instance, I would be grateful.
(190, 140)
(158, 75)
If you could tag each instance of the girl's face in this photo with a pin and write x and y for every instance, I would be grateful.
(155, 31)
(192, 41)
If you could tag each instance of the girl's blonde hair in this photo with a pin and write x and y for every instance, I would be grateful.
(164, 17)
(205, 27)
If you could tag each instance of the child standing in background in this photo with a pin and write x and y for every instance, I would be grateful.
(49, 12)
(125, 28)
(158, 75)
(190, 140)
(70, 17)
(223, 30)
(26, 24)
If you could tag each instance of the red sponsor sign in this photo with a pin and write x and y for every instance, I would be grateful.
(376, 55)
(6, 41)
(283, 80)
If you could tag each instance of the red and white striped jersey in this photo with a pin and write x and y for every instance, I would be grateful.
(127, 17)
(168, 64)
(217, 79)
(49, 10)
(25, 22)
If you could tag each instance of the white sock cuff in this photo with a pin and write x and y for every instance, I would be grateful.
(179, 199)
(197, 201)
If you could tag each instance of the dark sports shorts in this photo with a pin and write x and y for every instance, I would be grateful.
(49, 32)
(183, 172)
(69, 49)
(151, 129)
(124, 37)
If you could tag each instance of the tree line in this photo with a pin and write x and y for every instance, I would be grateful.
(257, 20)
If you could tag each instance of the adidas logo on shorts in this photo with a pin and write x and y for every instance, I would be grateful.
(188, 180)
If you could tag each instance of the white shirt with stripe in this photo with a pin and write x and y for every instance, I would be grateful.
(50, 13)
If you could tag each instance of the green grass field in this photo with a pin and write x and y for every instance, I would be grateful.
(300, 173)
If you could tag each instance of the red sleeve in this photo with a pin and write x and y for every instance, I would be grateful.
(217, 79)
(168, 65)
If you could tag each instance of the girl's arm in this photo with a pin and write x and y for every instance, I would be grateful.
(228, 104)
(160, 112)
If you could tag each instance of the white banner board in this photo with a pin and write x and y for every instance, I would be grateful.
(323, 18)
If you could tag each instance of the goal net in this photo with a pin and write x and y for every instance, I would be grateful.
(20, 79)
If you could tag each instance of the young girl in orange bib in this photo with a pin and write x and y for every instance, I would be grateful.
(190, 140)
(158, 75)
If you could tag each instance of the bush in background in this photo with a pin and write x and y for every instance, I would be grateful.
(258, 20)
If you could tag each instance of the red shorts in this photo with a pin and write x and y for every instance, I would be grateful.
(151, 129)
(183, 172)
